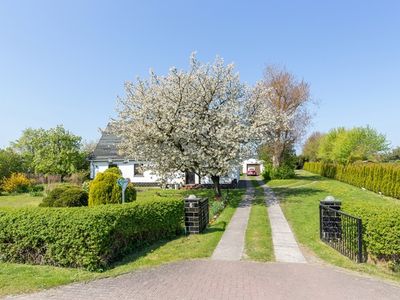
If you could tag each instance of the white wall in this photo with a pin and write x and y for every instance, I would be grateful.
(127, 169)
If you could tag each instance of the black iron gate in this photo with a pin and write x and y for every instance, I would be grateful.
(342, 232)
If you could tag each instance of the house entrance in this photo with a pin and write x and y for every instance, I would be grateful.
(190, 178)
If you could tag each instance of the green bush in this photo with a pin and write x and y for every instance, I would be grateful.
(104, 189)
(114, 170)
(377, 177)
(283, 172)
(381, 231)
(82, 237)
(65, 196)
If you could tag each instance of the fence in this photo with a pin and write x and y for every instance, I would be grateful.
(342, 232)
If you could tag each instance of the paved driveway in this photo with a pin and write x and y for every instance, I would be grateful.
(210, 279)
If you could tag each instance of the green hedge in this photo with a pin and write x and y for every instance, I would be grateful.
(376, 177)
(381, 230)
(90, 238)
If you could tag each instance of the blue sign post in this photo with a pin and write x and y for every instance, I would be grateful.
(123, 183)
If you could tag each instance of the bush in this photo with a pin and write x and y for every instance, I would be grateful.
(381, 231)
(65, 196)
(104, 189)
(86, 185)
(16, 183)
(36, 190)
(114, 170)
(82, 237)
(376, 177)
(283, 172)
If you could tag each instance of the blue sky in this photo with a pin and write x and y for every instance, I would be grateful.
(65, 62)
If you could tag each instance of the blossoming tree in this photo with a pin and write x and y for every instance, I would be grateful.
(186, 120)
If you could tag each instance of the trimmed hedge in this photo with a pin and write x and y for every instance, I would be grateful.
(381, 231)
(90, 238)
(376, 177)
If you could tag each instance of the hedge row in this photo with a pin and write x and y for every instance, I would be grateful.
(90, 238)
(381, 231)
(383, 177)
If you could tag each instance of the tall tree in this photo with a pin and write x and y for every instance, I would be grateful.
(279, 109)
(311, 146)
(10, 162)
(186, 120)
(349, 145)
(53, 151)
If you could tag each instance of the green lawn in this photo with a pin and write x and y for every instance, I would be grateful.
(258, 233)
(300, 199)
(143, 193)
(19, 200)
(19, 278)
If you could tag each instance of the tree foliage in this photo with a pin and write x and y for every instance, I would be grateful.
(186, 121)
(10, 162)
(311, 146)
(52, 151)
(279, 109)
(349, 145)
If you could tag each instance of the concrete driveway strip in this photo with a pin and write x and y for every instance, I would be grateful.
(286, 248)
(231, 245)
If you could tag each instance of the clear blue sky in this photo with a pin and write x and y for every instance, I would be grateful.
(65, 62)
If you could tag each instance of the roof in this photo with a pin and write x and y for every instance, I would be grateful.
(107, 147)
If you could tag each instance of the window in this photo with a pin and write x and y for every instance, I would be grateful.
(111, 165)
(138, 170)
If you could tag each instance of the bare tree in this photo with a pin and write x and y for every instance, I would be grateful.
(282, 100)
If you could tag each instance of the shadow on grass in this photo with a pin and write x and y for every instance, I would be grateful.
(300, 192)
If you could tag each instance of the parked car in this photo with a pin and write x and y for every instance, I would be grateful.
(251, 172)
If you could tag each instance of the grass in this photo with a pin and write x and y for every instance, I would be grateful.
(20, 278)
(258, 233)
(19, 200)
(299, 201)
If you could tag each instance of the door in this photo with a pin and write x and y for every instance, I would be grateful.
(190, 178)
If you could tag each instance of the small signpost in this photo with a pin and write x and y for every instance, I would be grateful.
(123, 183)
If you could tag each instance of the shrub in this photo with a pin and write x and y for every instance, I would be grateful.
(82, 237)
(16, 183)
(282, 172)
(36, 190)
(114, 170)
(381, 231)
(65, 196)
(86, 185)
(376, 177)
(104, 189)
(217, 207)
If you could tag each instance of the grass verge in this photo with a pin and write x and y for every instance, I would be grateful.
(300, 201)
(258, 233)
(20, 278)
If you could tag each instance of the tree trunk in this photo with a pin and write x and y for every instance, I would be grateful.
(217, 187)
(275, 161)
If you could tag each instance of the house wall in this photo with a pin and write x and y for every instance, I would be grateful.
(127, 169)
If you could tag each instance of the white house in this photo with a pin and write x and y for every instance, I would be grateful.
(253, 164)
(106, 155)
